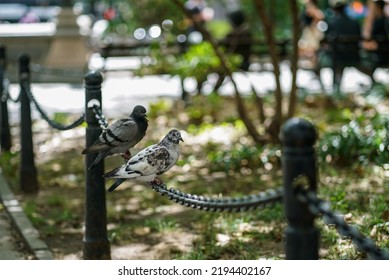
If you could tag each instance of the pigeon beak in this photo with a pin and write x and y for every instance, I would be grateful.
(181, 139)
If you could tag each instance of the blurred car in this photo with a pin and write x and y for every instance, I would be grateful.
(14, 12)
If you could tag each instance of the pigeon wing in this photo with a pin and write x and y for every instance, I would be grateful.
(119, 132)
(149, 161)
(116, 134)
(135, 166)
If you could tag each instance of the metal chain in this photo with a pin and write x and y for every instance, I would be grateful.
(26, 87)
(94, 104)
(319, 206)
(5, 96)
(241, 204)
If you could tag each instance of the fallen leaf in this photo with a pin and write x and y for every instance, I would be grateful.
(141, 231)
(222, 239)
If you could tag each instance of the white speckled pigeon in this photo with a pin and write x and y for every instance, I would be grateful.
(120, 136)
(149, 162)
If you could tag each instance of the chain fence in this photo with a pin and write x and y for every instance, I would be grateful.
(268, 199)
(28, 176)
(5, 95)
(318, 206)
(95, 106)
(26, 87)
(241, 204)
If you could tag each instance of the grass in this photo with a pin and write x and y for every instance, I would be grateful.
(232, 168)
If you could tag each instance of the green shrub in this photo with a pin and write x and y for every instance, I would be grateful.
(363, 140)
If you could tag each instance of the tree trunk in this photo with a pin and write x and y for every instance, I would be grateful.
(294, 59)
(268, 29)
(258, 100)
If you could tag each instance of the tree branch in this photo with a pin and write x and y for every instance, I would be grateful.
(295, 57)
(268, 29)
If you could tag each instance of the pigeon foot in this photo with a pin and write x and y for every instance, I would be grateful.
(155, 182)
(126, 156)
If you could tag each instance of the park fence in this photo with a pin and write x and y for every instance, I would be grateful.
(298, 193)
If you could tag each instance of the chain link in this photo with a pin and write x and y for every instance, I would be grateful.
(5, 96)
(318, 206)
(26, 87)
(241, 204)
(99, 116)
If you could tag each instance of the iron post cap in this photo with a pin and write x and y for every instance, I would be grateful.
(24, 58)
(298, 132)
(93, 78)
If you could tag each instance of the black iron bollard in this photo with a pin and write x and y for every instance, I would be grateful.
(96, 244)
(5, 133)
(298, 159)
(28, 174)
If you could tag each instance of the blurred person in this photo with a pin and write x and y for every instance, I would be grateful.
(376, 36)
(239, 40)
(346, 54)
(205, 12)
(368, 22)
(341, 24)
(201, 14)
(311, 35)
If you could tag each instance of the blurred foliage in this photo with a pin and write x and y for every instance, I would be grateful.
(219, 28)
(363, 140)
(198, 61)
(165, 225)
(60, 117)
(158, 63)
(159, 108)
(9, 162)
(131, 15)
(57, 216)
(243, 156)
(134, 14)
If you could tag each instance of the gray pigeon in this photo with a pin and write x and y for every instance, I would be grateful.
(149, 162)
(120, 136)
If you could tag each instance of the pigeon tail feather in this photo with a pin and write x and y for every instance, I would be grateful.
(96, 148)
(112, 173)
(117, 183)
(97, 160)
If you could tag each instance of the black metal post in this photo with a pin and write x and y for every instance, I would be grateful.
(298, 159)
(96, 244)
(28, 174)
(5, 132)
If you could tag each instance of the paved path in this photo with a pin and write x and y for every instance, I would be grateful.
(8, 248)
(16, 228)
